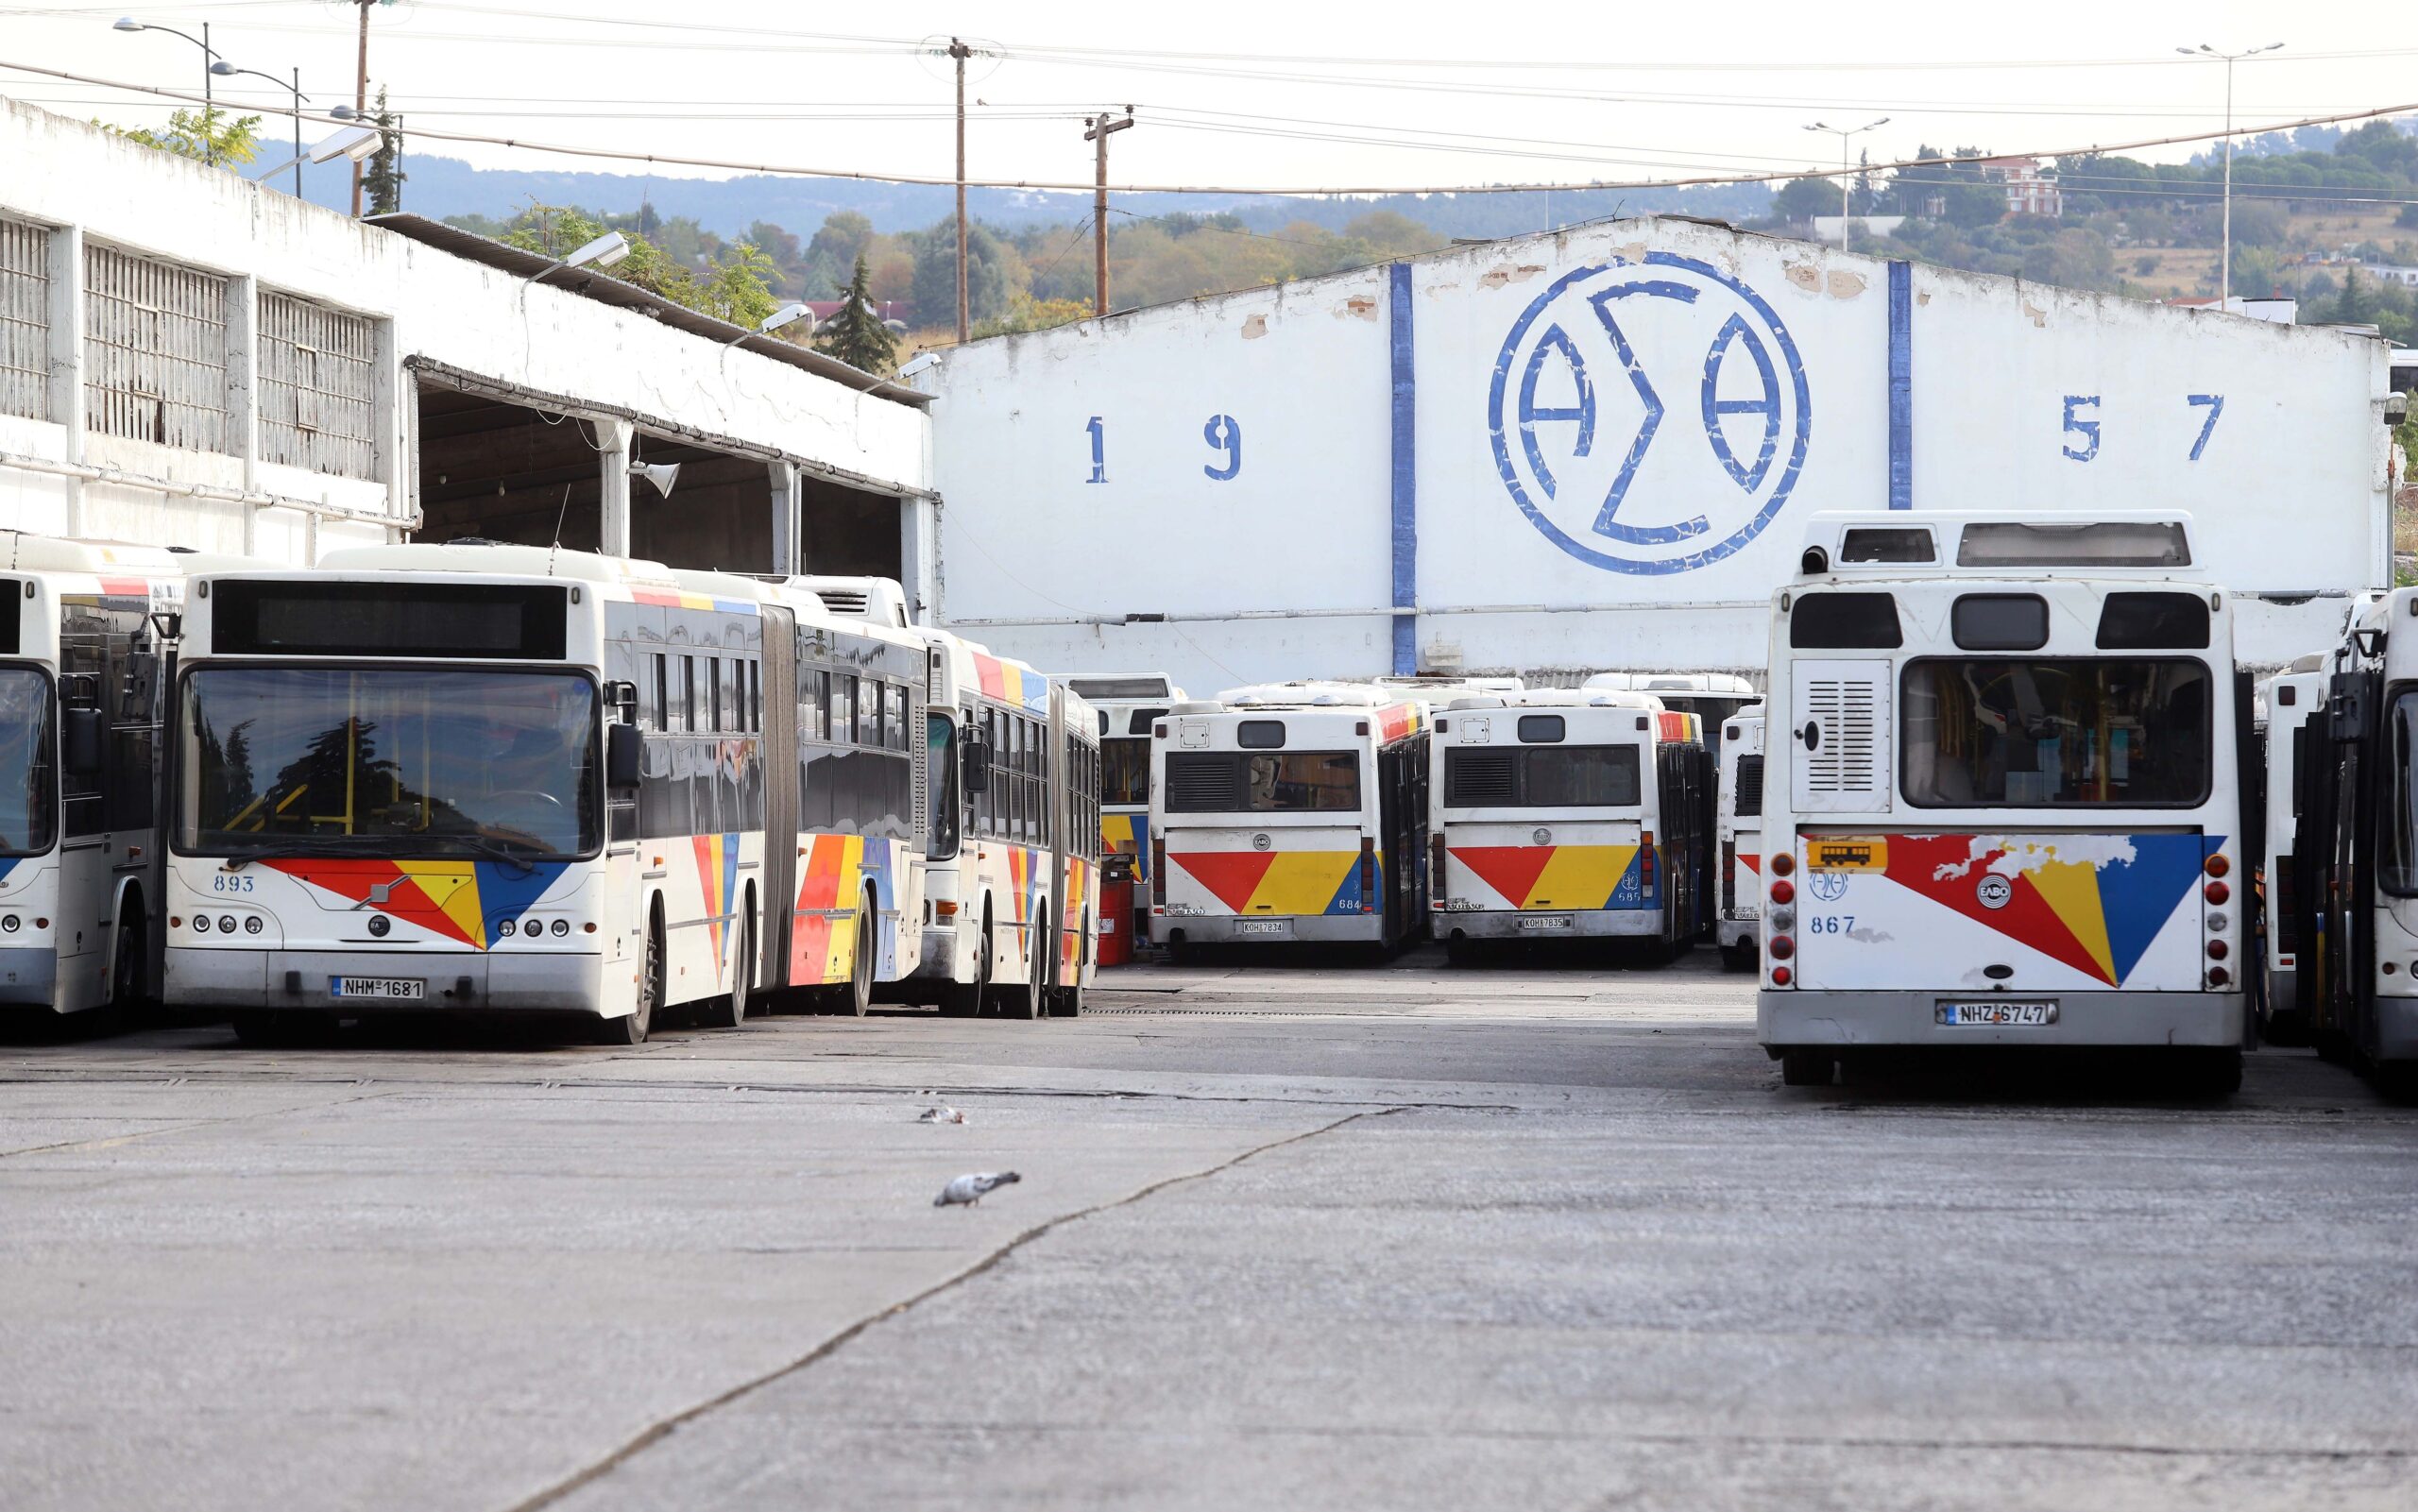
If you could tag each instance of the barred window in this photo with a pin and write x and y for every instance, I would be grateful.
(155, 351)
(25, 320)
(317, 387)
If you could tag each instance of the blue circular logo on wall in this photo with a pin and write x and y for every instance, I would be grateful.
(1649, 417)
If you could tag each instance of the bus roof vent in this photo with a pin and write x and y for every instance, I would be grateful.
(1199, 706)
(2091, 543)
(880, 600)
(1123, 687)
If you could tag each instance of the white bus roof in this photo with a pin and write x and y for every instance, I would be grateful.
(1719, 684)
(1123, 687)
(1310, 695)
(882, 599)
(1563, 697)
(25, 552)
(1900, 543)
(501, 560)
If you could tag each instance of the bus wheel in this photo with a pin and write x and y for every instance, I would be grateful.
(272, 1028)
(861, 968)
(1068, 1003)
(632, 1028)
(964, 999)
(1806, 1068)
(732, 1011)
(1030, 1000)
(2208, 1074)
(1738, 958)
(126, 995)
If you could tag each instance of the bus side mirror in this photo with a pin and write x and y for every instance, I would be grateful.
(80, 741)
(624, 754)
(978, 767)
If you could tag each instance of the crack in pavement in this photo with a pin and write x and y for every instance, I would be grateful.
(663, 1428)
(114, 1141)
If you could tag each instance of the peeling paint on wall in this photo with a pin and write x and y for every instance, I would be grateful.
(1495, 278)
(1255, 327)
(1846, 285)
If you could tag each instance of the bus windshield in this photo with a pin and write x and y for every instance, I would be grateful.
(387, 761)
(1125, 771)
(28, 800)
(2067, 733)
(1263, 782)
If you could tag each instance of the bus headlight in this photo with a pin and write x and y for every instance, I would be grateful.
(201, 923)
(252, 923)
(9, 922)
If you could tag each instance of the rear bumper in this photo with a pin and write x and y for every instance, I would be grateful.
(1222, 929)
(460, 982)
(2396, 1029)
(1794, 1017)
(1595, 924)
(1732, 933)
(29, 976)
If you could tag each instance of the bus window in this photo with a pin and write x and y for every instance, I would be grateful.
(940, 741)
(1125, 771)
(2397, 847)
(843, 710)
(1213, 782)
(2075, 731)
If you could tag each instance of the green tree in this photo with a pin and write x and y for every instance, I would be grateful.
(845, 236)
(856, 335)
(734, 286)
(381, 177)
(2357, 304)
(934, 300)
(1801, 199)
(209, 136)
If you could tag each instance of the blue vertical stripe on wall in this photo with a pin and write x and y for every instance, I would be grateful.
(1901, 385)
(1405, 480)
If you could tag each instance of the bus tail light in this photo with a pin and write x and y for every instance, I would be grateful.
(1728, 877)
(1435, 871)
(1368, 874)
(1782, 976)
(1782, 891)
(2216, 950)
(1159, 870)
(2217, 975)
(946, 908)
(2217, 865)
(2216, 892)
(1645, 861)
(1782, 863)
(1780, 947)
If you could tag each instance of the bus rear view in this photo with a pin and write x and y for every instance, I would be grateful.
(2009, 810)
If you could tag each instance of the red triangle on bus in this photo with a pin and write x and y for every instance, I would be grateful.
(1510, 870)
(1231, 876)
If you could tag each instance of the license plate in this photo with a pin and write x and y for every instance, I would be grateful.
(1996, 1015)
(389, 989)
(1544, 923)
(1278, 928)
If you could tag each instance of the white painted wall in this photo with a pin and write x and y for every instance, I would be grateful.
(443, 307)
(1283, 570)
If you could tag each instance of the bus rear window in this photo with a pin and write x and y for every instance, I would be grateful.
(1843, 622)
(1568, 777)
(1272, 782)
(1124, 771)
(2063, 733)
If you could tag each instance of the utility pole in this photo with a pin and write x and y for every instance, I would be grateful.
(958, 50)
(361, 94)
(1846, 179)
(1097, 130)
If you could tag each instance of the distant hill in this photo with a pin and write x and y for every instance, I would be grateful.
(439, 187)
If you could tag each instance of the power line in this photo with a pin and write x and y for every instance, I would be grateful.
(612, 154)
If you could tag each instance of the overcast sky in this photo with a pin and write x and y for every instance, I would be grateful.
(1251, 93)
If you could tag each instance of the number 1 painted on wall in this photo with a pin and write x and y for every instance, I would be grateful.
(2215, 405)
(1099, 451)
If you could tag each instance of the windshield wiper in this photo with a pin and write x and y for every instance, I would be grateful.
(329, 846)
(495, 849)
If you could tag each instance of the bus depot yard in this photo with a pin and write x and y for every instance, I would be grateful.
(1286, 1235)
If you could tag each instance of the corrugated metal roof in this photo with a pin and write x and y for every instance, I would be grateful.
(606, 289)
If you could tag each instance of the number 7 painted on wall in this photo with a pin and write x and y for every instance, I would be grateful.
(2215, 405)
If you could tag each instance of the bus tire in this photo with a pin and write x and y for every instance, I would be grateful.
(631, 1028)
(964, 999)
(2208, 1076)
(1458, 951)
(2286, 1026)
(1068, 1003)
(859, 989)
(1806, 1068)
(131, 963)
(731, 1013)
(1738, 958)
(269, 1028)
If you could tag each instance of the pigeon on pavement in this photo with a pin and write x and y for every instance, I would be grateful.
(968, 1190)
(941, 1115)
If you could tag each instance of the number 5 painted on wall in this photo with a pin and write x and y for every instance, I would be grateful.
(2215, 405)
(1224, 434)
(2086, 429)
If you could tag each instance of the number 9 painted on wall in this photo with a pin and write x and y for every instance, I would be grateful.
(1224, 434)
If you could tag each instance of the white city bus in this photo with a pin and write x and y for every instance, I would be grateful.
(1289, 812)
(1713, 697)
(2355, 912)
(81, 661)
(2290, 698)
(1568, 813)
(2012, 810)
(1738, 930)
(1127, 704)
(1012, 866)
(495, 778)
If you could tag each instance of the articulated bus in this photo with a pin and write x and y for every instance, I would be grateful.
(81, 662)
(1289, 812)
(2012, 811)
(1568, 815)
(1738, 927)
(1713, 697)
(497, 779)
(2355, 913)
(1127, 704)
(2290, 698)
(1012, 882)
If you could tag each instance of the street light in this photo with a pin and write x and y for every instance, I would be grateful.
(604, 251)
(1845, 181)
(208, 59)
(342, 113)
(354, 142)
(2224, 270)
(786, 315)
